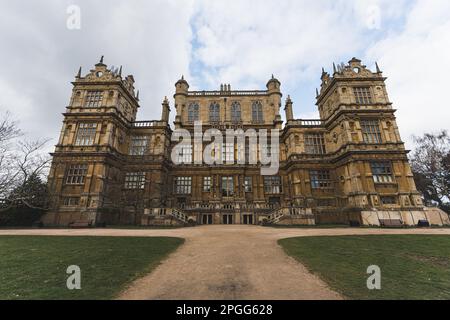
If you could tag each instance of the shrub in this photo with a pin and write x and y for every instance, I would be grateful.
(20, 217)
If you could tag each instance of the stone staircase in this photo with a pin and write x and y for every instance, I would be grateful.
(179, 215)
(291, 215)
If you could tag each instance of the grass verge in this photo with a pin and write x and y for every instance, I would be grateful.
(412, 266)
(34, 267)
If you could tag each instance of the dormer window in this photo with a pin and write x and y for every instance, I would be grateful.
(93, 99)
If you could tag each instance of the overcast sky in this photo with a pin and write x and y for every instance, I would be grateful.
(213, 42)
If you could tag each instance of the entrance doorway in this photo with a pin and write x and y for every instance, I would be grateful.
(207, 219)
(247, 219)
(227, 219)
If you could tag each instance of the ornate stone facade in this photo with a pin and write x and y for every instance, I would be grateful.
(110, 168)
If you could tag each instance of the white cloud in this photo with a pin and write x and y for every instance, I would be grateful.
(416, 61)
(244, 42)
(40, 56)
(213, 42)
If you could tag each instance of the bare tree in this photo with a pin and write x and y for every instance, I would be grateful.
(430, 164)
(31, 166)
(22, 164)
(9, 131)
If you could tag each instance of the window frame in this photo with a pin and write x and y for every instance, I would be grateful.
(94, 99)
(67, 201)
(320, 179)
(248, 184)
(227, 186)
(193, 112)
(207, 184)
(86, 134)
(363, 95)
(76, 174)
(135, 180)
(214, 112)
(273, 185)
(141, 148)
(382, 172)
(389, 203)
(257, 112)
(315, 143)
(228, 153)
(236, 112)
(183, 185)
(371, 131)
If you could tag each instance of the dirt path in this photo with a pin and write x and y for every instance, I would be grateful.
(228, 262)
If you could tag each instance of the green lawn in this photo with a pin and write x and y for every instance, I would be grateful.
(412, 266)
(35, 267)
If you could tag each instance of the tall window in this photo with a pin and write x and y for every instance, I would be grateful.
(228, 152)
(320, 179)
(183, 185)
(236, 112)
(93, 99)
(86, 134)
(76, 174)
(382, 172)
(138, 145)
(227, 186)
(206, 184)
(257, 112)
(193, 112)
(371, 131)
(214, 112)
(272, 184)
(185, 155)
(135, 180)
(248, 185)
(362, 95)
(314, 143)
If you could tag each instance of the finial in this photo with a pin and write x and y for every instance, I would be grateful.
(334, 68)
(166, 101)
(137, 95)
(378, 68)
(182, 77)
(323, 70)
(101, 59)
(79, 73)
(317, 92)
(273, 76)
(120, 71)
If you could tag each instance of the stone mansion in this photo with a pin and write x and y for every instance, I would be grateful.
(348, 166)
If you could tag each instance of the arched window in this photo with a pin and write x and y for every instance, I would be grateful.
(236, 112)
(193, 112)
(214, 112)
(257, 112)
